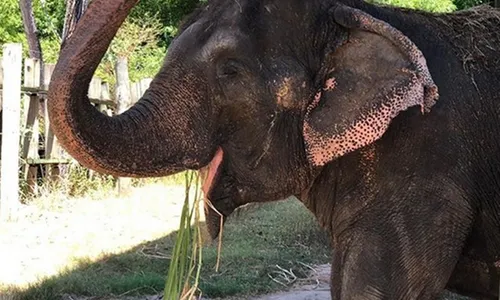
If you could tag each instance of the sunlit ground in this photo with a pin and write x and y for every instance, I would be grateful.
(49, 238)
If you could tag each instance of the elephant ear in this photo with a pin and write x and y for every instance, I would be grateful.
(377, 73)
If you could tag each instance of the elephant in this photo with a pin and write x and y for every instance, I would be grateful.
(382, 121)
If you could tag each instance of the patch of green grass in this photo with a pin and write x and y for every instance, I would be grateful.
(276, 234)
(282, 233)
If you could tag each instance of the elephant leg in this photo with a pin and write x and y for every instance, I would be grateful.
(475, 278)
(400, 254)
(374, 271)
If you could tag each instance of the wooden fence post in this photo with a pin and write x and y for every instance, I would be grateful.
(123, 102)
(9, 185)
(105, 96)
(94, 93)
(52, 148)
(29, 144)
(145, 85)
(134, 92)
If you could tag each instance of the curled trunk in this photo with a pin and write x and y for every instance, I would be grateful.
(161, 134)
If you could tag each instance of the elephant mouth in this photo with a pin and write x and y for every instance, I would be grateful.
(210, 175)
(221, 196)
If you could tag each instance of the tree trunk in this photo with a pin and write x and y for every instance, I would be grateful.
(74, 11)
(35, 50)
(122, 96)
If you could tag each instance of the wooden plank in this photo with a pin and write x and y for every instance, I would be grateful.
(36, 73)
(29, 142)
(30, 132)
(95, 88)
(95, 93)
(41, 161)
(135, 91)
(122, 92)
(29, 66)
(1, 82)
(47, 75)
(105, 97)
(52, 148)
(1, 72)
(31, 136)
(41, 92)
(144, 85)
(9, 183)
(122, 96)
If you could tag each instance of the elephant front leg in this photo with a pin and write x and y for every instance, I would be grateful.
(396, 255)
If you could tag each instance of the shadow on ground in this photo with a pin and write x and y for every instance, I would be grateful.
(265, 249)
(259, 247)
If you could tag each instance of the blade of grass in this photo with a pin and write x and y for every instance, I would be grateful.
(180, 282)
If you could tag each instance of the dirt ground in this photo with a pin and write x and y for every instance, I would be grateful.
(320, 290)
(316, 288)
(36, 246)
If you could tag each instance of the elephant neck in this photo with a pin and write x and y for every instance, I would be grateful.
(342, 189)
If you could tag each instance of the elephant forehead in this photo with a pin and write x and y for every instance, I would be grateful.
(222, 41)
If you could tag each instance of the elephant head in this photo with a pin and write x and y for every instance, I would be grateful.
(259, 93)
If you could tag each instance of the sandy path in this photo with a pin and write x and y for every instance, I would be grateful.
(318, 290)
(38, 246)
(42, 243)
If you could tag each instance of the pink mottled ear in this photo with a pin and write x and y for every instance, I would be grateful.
(375, 75)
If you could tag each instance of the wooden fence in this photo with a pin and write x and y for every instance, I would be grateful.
(29, 149)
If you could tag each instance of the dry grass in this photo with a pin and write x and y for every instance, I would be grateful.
(101, 245)
(55, 233)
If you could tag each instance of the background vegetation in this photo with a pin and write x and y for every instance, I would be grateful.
(157, 19)
(254, 245)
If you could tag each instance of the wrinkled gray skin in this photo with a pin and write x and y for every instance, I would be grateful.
(322, 100)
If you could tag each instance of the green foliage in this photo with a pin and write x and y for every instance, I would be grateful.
(11, 29)
(462, 4)
(49, 17)
(79, 181)
(50, 49)
(169, 13)
(436, 6)
(136, 40)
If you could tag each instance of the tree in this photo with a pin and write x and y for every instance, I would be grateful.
(168, 12)
(463, 4)
(142, 52)
(74, 11)
(436, 6)
(35, 50)
(12, 24)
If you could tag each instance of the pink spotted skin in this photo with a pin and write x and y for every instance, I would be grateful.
(414, 87)
(368, 128)
(330, 84)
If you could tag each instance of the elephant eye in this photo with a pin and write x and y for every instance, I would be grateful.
(228, 69)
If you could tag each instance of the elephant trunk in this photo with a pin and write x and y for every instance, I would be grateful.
(168, 130)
